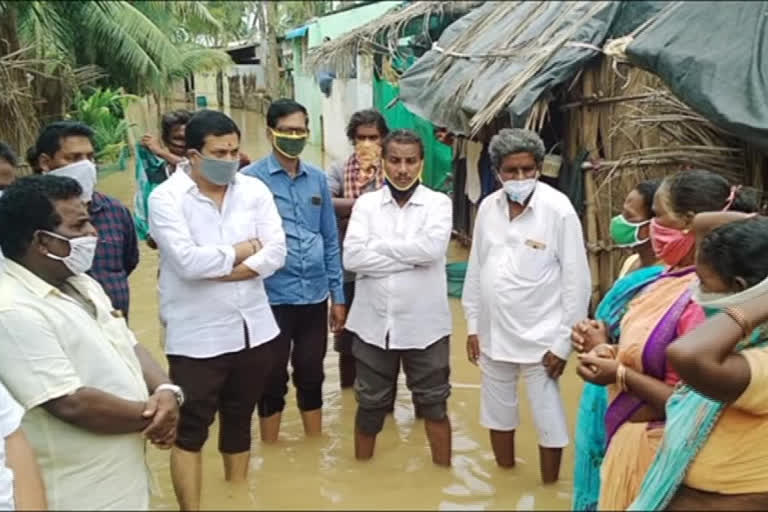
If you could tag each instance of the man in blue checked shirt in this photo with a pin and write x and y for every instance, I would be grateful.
(298, 293)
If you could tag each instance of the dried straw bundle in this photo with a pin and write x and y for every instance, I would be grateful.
(341, 54)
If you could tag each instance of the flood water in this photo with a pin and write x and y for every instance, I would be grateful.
(322, 473)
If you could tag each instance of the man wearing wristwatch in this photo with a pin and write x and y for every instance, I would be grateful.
(219, 236)
(92, 394)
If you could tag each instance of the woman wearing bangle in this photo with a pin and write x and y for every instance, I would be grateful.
(658, 315)
(630, 229)
(713, 455)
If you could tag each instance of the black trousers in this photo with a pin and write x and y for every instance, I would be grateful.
(303, 340)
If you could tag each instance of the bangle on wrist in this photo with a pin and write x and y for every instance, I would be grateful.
(621, 377)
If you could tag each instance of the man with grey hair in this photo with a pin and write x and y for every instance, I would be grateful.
(527, 283)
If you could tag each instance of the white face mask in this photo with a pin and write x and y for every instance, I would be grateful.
(84, 172)
(519, 190)
(724, 300)
(81, 252)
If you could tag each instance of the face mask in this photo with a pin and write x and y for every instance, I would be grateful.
(625, 233)
(219, 172)
(519, 190)
(399, 192)
(84, 172)
(671, 245)
(81, 252)
(367, 153)
(713, 303)
(290, 146)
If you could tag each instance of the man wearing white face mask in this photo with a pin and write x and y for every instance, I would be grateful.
(527, 283)
(91, 392)
(219, 236)
(64, 148)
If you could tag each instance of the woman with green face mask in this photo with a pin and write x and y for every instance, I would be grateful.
(629, 229)
(713, 455)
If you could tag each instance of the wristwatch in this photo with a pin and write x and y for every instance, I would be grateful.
(173, 388)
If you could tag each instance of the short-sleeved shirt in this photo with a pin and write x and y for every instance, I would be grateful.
(734, 459)
(51, 346)
(10, 419)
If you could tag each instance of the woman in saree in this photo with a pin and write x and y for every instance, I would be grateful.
(636, 372)
(629, 229)
(713, 455)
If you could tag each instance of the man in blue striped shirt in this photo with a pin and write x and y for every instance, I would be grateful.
(299, 292)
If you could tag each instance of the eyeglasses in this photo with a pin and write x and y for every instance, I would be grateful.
(291, 131)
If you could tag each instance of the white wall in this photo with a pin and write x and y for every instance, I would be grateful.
(205, 85)
(347, 97)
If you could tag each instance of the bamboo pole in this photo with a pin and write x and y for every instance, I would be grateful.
(589, 133)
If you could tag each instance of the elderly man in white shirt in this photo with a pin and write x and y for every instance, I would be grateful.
(395, 243)
(219, 236)
(527, 283)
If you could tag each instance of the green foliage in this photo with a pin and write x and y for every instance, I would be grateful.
(104, 111)
(141, 45)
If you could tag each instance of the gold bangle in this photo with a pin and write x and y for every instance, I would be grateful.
(621, 377)
(739, 317)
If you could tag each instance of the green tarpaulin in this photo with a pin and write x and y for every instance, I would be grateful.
(438, 157)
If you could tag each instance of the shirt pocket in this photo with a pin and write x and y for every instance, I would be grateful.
(532, 260)
(313, 208)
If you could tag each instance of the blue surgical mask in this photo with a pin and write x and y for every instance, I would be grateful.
(219, 172)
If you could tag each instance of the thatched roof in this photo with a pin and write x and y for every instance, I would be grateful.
(507, 55)
(381, 35)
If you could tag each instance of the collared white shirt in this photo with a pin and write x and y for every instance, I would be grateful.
(203, 316)
(51, 346)
(398, 255)
(527, 280)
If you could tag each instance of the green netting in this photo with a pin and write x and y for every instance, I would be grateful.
(456, 273)
(150, 172)
(438, 157)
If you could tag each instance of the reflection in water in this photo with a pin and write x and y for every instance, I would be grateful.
(297, 473)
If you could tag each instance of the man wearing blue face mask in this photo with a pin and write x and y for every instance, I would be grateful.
(64, 148)
(219, 236)
(527, 283)
(299, 292)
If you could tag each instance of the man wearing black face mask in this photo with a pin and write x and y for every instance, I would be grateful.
(90, 390)
(219, 236)
(299, 292)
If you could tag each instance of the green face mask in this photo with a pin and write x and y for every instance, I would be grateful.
(625, 233)
(289, 145)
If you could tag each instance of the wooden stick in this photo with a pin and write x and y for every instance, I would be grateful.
(594, 100)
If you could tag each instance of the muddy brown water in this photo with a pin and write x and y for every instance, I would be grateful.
(322, 473)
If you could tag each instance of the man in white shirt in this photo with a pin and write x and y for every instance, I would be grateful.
(91, 392)
(395, 243)
(527, 283)
(219, 235)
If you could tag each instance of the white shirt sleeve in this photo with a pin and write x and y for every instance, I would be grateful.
(358, 257)
(470, 296)
(269, 227)
(10, 414)
(576, 281)
(170, 231)
(432, 242)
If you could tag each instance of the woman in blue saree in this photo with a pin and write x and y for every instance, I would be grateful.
(629, 229)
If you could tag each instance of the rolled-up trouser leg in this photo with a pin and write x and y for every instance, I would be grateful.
(376, 375)
(310, 343)
(427, 375)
